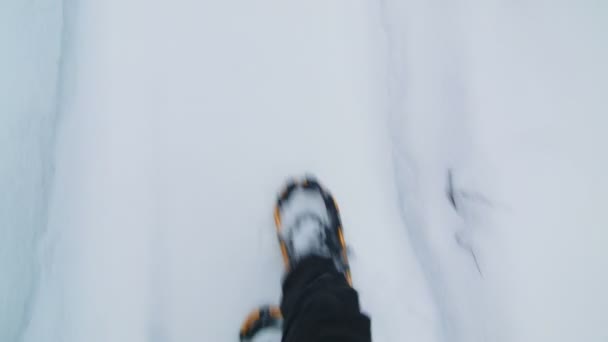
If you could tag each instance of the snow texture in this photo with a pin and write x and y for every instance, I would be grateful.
(465, 142)
(304, 223)
(30, 34)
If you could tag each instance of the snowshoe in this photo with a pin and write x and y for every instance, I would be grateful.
(307, 221)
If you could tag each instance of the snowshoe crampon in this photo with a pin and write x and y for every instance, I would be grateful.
(263, 318)
(270, 316)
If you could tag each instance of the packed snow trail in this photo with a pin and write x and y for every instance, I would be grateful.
(179, 122)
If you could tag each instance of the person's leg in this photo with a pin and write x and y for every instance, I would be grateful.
(318, 305)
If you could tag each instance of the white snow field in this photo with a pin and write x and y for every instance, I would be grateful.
(464, 141)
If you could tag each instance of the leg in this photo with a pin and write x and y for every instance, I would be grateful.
(319, 306)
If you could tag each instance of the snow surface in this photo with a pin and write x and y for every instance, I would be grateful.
(29, 54)
(304, 218)
(502, 104)
(465, 142)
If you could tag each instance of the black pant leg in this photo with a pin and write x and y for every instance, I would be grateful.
(319, 306)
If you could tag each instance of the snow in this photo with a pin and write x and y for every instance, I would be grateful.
(29, 50)
(463, 141)
(505, 101)
(304, 217)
